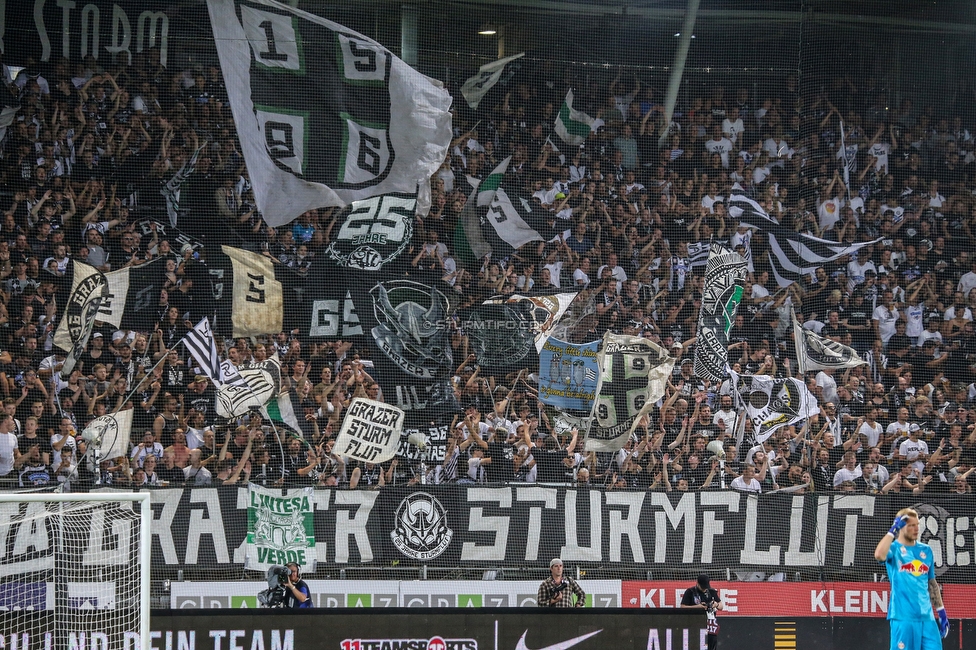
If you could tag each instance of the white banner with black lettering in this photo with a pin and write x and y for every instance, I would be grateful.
(370, 431)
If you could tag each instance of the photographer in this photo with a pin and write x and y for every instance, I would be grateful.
(702, 596)
(297, 593)
(557, 591)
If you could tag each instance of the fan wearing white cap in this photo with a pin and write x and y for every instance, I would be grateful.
(558, 590)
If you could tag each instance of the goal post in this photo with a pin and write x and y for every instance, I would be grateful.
(75, 570)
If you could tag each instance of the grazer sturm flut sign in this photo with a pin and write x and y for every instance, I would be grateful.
(527, 525)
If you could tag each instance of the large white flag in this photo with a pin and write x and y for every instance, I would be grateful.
(476, 87)
(634, 374)
(109, 434)
(574, 126)
(325, 116)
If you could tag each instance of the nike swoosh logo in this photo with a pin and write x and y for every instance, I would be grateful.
(562, 645)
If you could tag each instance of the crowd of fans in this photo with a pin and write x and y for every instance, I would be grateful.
(93, 143)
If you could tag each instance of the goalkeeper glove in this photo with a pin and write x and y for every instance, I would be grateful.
(943, 622)
(899, 523)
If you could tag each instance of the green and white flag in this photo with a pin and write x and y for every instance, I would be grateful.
(574, 126)
(510, 221)
(279, 528)
(325, 116)
(490, 74)
(282, 411)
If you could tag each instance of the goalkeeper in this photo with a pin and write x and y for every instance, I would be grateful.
(914, 591)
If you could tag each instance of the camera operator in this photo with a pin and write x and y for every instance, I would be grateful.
(702, 596)
(557, 591)
(297, 594)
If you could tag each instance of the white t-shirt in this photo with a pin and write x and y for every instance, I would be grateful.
(950, 313)
(844, 474)
(69, 448)
(880, 150)
(886, 321)
(873, 434)
(722, 147)
(8, 443)
(828, 387)
(911, 450)
(738, 483)
(855, 272)
(732, 129)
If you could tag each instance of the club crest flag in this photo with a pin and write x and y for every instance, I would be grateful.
(568, 374)
(725, 274)
(325, 116)
(112, 433)
(633, 375)
(370, 431)
(771, 403)
(279, 528)
(815, 352)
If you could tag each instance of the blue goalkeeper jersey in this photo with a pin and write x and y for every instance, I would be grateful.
(909, 570)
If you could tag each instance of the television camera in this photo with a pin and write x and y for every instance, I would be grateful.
(274, 596)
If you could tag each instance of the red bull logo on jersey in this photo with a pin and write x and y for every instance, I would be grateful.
(916, 567)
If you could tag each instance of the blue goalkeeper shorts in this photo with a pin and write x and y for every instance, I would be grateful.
(915, 635)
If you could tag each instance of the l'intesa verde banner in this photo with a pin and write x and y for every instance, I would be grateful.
(280, 528)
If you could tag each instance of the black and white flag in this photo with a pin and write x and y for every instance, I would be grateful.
(698, 253)
(488, 76)
(88, 285)
(247, 295)
(721, 294)
(771, 403)
(261, 384)
(200, 343)
(792, 255)
(325, 115)
(171, 189)
(634, 373)
(815, 352)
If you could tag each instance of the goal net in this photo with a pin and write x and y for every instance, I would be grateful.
(74, 571)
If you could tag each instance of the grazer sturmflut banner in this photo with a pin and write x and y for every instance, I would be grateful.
(527, 525)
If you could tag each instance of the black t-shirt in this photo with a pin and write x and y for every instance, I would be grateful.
(695, 596)
(43, 443)
(502, 468)
(549, 465)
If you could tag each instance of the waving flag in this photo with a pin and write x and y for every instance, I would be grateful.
(721, 293)
(510, 221)
(773, 403)
(80, 311)
(633, 375)
(574, 126)
(792, 255)
(325, 115)
(172, 188)
(489, 75)
(815, 352)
